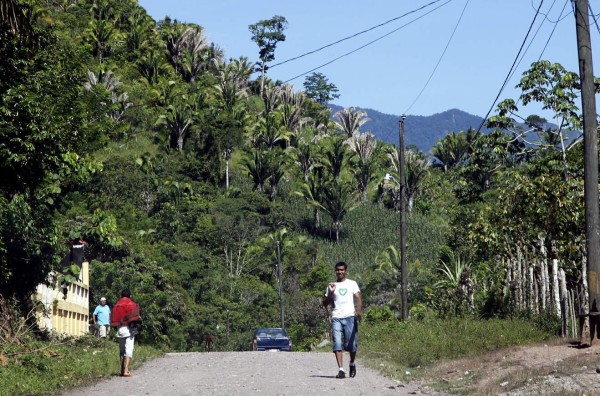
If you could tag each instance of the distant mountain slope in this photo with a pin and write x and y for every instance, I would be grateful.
(421, 131)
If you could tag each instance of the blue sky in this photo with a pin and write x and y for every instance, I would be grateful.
(391, 75)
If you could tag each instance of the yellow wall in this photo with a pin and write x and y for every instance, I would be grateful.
(66, 315)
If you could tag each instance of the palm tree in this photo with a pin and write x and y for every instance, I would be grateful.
(311, 191)
(172, 34)
(337, 200)
(364, 173)
(269, 133)
(179, 117)
(277, 160)
(449, 150)
(233, 82)
(101, 33)
(304, 158)
(271, 97)
(291, 109)
(151, 65)
(195, 55)
(334, 156)
(256, 166)
(364, 146)
(108, 79)
(416, 169)
(241, 71)
(350, 120)
(140, 32)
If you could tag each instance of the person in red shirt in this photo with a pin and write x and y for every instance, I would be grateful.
(126, 318)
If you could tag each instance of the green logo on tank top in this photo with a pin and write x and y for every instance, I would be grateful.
(343, 292)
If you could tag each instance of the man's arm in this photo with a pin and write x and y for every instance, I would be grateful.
(328, 299)
(358, 310)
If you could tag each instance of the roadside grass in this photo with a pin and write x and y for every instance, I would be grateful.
(405, 351)
(49, 368)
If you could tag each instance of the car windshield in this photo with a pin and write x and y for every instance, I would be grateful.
(270, 333)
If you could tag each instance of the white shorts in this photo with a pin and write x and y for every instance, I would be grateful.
(126, 346)
(102, 331)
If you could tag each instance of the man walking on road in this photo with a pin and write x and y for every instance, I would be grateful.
(126, 318)
(344, 318)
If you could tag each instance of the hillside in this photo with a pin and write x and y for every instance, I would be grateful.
(421, 131)
(222, 202)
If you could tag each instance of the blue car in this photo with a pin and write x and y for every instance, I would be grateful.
(271, 339)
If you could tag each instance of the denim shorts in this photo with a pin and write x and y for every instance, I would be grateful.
(345, 332)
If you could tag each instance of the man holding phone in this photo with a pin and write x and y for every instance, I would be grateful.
(344, 317)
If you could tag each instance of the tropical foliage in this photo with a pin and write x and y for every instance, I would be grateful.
(183, 173)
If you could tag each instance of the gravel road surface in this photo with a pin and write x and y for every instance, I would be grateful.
(248, 373)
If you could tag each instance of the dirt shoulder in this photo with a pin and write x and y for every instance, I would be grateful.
(550, 368)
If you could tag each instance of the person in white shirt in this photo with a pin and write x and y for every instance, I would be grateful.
(344, 317)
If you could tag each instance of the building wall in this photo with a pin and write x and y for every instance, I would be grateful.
(66, 315)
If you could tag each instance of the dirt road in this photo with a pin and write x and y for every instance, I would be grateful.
(247, 373)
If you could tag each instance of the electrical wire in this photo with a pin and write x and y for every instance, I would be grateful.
(535, 35)
(439, 60)
(546, 14)
(554, 28)
(354, 35)
(365, 45)
(545, 45)
(511, 68)
(594, 17)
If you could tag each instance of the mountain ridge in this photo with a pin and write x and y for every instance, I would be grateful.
(420, 131)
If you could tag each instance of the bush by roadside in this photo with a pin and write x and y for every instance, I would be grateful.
(48, 367)
(404, 350)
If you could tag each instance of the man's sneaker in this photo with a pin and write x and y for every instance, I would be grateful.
(353, 371)
(341, 374)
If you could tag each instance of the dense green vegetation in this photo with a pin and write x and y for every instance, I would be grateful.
(51, 369)
(190, 180)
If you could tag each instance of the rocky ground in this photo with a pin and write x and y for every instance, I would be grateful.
(247, 373)
(556, 368)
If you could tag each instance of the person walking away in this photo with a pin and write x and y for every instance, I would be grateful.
(126, 318)
(101, 317)
(344, 317)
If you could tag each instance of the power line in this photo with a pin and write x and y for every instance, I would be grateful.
(546, 14)
(367, 44)
(560, 18)
(354, 35)
(554, 28)
(439, 60)
(535, 35)
(594, 17)
(511, 68)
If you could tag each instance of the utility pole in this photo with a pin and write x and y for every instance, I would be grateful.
(403, 271)
(590, 141)
(278, 252)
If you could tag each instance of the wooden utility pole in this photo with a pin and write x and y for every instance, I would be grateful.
(279, 272)
(590, 141)
(403, 271)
